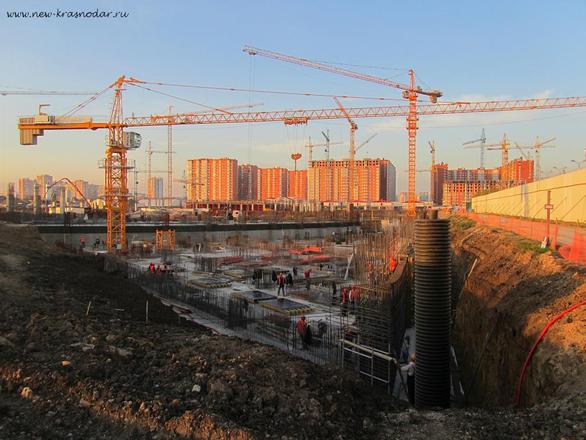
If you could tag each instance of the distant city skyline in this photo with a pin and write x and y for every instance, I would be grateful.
(510, 60)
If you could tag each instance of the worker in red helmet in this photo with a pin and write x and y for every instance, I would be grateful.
(301, 327)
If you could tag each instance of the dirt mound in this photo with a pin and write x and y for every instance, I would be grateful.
(511, 294)
(76, 357)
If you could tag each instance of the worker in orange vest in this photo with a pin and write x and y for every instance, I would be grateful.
(392, 264)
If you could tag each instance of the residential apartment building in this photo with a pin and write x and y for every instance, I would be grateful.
(273, 183)
(391, 182)
(459, 193)
(25, 188)
(517, 172)
(212, 179)
(328, 180)
(297, 182)
(247, 182)
(155, 191)
(44, 181)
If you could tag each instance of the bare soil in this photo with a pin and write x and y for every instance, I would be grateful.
(66, 372)
(508, 299)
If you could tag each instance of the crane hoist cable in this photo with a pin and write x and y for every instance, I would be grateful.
(275, 92)
(87, 101)
(182, 99)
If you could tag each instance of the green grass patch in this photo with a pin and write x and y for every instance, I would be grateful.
(530, 245)
(461, 223)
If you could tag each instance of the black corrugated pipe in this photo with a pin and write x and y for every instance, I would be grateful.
(433, 264)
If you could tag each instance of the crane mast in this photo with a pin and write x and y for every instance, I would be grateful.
(115, 182)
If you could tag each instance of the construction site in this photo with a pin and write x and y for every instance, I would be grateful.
(248, 301)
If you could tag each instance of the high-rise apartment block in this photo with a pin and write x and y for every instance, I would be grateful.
(273, 183)
(517, 172)
(329, 180)
(155, 190)
(44, 181)
(391, 182)
(212, 179)
(439, 175)
(25, 188)
(247, 182)
(456, 187)
(297, 185)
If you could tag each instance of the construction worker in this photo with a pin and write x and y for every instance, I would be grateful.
(307, 337)
(301, 327)
(353, 296)
(392, 264)
(410, 370)
(334, 291)
(281, 283)
(274, 276)
(307, 275)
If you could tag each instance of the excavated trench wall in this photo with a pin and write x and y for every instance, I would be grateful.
(508, 298)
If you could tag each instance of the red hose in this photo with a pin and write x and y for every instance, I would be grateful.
(541, 335)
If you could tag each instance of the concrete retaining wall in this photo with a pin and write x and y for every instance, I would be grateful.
(568, 197)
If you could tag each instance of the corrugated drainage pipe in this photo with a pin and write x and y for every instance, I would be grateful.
(433, 284)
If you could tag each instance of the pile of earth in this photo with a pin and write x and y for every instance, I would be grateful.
(77, 359)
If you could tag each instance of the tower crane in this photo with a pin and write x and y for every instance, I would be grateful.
(149, 152)
(352, 151)
(115, 164)
(366, 141)
(482, 144)
(503, 145)
(310, 146)
(537, 146)
(526, 156)
(72, 184)
(411, 92)
(432, 171)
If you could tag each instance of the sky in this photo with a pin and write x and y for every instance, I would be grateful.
(468, 50)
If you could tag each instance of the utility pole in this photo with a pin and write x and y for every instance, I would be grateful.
(548, 207)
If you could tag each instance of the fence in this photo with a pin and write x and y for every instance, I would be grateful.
(574, 251)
